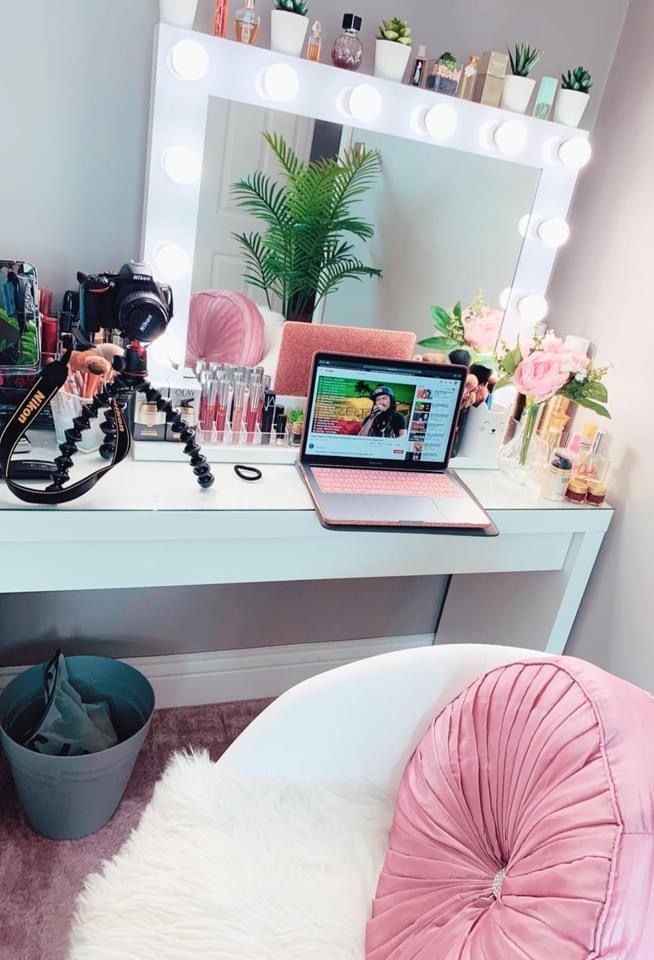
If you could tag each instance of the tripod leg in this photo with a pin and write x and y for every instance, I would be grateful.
(73, 435)
(201, 468)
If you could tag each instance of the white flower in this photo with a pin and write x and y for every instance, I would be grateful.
(581, 377)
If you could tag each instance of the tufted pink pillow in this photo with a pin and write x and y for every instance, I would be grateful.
(224, 327)
(524, 824)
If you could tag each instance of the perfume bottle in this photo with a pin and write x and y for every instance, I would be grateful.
(348, 49)
(315, 42)
(246, 23)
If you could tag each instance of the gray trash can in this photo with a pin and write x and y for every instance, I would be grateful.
(66, 798)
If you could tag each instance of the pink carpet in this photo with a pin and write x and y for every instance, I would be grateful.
(40, 879)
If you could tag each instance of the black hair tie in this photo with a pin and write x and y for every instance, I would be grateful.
(250, 474)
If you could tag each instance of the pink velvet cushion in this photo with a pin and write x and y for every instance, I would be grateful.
(224, 327)
(524, 824)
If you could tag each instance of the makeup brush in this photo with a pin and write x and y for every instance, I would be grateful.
(97, 369)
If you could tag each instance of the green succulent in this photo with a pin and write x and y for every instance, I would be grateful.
(448, 60)
(395, 30)
(293, 6)
(577, 79)
(524, 59)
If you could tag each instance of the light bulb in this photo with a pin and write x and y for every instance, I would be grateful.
(280, 82)
(189, 60)
(533, 308)
(364, 102)
(554, 232)
(575, 153)
(441, 121)
(182, 164)
(524, 224)
(167, 351)
(172, 261)
(510, 137)
(505, 297)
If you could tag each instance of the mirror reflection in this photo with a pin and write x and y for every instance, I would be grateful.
(19, 341)
(330, 224)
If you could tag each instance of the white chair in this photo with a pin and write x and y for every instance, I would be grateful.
(363, 720)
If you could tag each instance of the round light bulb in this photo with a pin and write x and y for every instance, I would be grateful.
(554, 232)
(575, 153)
(280, 82)
(441, 121)
(524, 224)
(511, 137)
(505, 297)
(364, 102)
(182, 164)
(189, 60)
(167, 351)
(172, 261)
(533, 308)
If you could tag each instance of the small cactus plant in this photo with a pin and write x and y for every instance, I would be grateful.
(524, 59)
(300, 7)
(577, 79)
(396, 30)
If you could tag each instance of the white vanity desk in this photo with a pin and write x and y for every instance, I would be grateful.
(149, 525)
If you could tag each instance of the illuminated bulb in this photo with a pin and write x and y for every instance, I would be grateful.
(554, 232)
(189, 60)
(167, 351)
(533, 308)
(364, 102)
(182, 164)
(172, 261)
(511, 137)
(575, 153)
(441, 121)
(523, 225)
(280, 82)
(505, 297)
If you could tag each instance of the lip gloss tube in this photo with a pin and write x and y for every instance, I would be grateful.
(222, 406)
(237, 409)
(204, 400)
(254, 409)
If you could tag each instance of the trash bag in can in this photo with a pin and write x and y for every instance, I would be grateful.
(66, 797)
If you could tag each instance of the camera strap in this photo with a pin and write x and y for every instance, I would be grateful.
(51, 379)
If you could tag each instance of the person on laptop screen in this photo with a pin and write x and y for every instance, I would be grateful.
(384, 420)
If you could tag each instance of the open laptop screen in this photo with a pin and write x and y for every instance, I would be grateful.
(382, 412)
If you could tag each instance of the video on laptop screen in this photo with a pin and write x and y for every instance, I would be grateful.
(381, 412)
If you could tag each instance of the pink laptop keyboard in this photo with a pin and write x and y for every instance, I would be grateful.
(389, 482)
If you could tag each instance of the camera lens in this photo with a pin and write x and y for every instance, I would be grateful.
(142, 316)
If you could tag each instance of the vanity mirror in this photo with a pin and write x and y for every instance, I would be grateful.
(19, 315)
(467, 197)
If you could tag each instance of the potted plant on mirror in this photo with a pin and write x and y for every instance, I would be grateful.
(295, 427)
(573, 97)
(518, 85)
(393, 49)
(306, 251)
(289, 22)
(178, 13)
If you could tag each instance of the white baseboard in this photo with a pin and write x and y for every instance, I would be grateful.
(186, 680)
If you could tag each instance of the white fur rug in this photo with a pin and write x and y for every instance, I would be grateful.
(227, 869)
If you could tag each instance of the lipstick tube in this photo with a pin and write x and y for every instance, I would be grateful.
(222, 407)
(268, 413)
(254, 409)
(237, 409)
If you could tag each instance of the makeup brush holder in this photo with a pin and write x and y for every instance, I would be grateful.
(65, 407)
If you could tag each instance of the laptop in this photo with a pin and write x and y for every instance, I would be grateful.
(377, 442)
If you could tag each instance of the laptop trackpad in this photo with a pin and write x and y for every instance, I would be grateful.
(403, 509)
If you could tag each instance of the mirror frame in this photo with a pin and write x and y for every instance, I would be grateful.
(190, 67)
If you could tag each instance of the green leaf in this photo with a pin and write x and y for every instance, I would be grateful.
(441, 318)
(440, 343)
(597, 408)
(595, 391)
(511, 360)
(456, 312)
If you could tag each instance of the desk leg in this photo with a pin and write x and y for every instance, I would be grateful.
(535, 610)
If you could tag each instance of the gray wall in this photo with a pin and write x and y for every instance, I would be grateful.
(602, 289)
(78, 72)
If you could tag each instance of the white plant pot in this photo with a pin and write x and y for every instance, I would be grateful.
(287, 32)
(391, 59)
(517, 93)
(570, 106)
(178, 13)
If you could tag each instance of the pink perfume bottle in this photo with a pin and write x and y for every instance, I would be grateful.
(348, 49)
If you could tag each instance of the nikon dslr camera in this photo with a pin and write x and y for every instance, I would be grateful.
(129, 301)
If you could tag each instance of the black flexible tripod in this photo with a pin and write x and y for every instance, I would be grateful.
(131, 377)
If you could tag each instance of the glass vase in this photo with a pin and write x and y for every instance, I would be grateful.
(523, 455)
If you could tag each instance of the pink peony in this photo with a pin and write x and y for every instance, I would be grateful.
(482, 332)
(541, 374)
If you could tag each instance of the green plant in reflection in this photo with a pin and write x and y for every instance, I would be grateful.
(306, 251)
(578, 79)
(300, 7)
